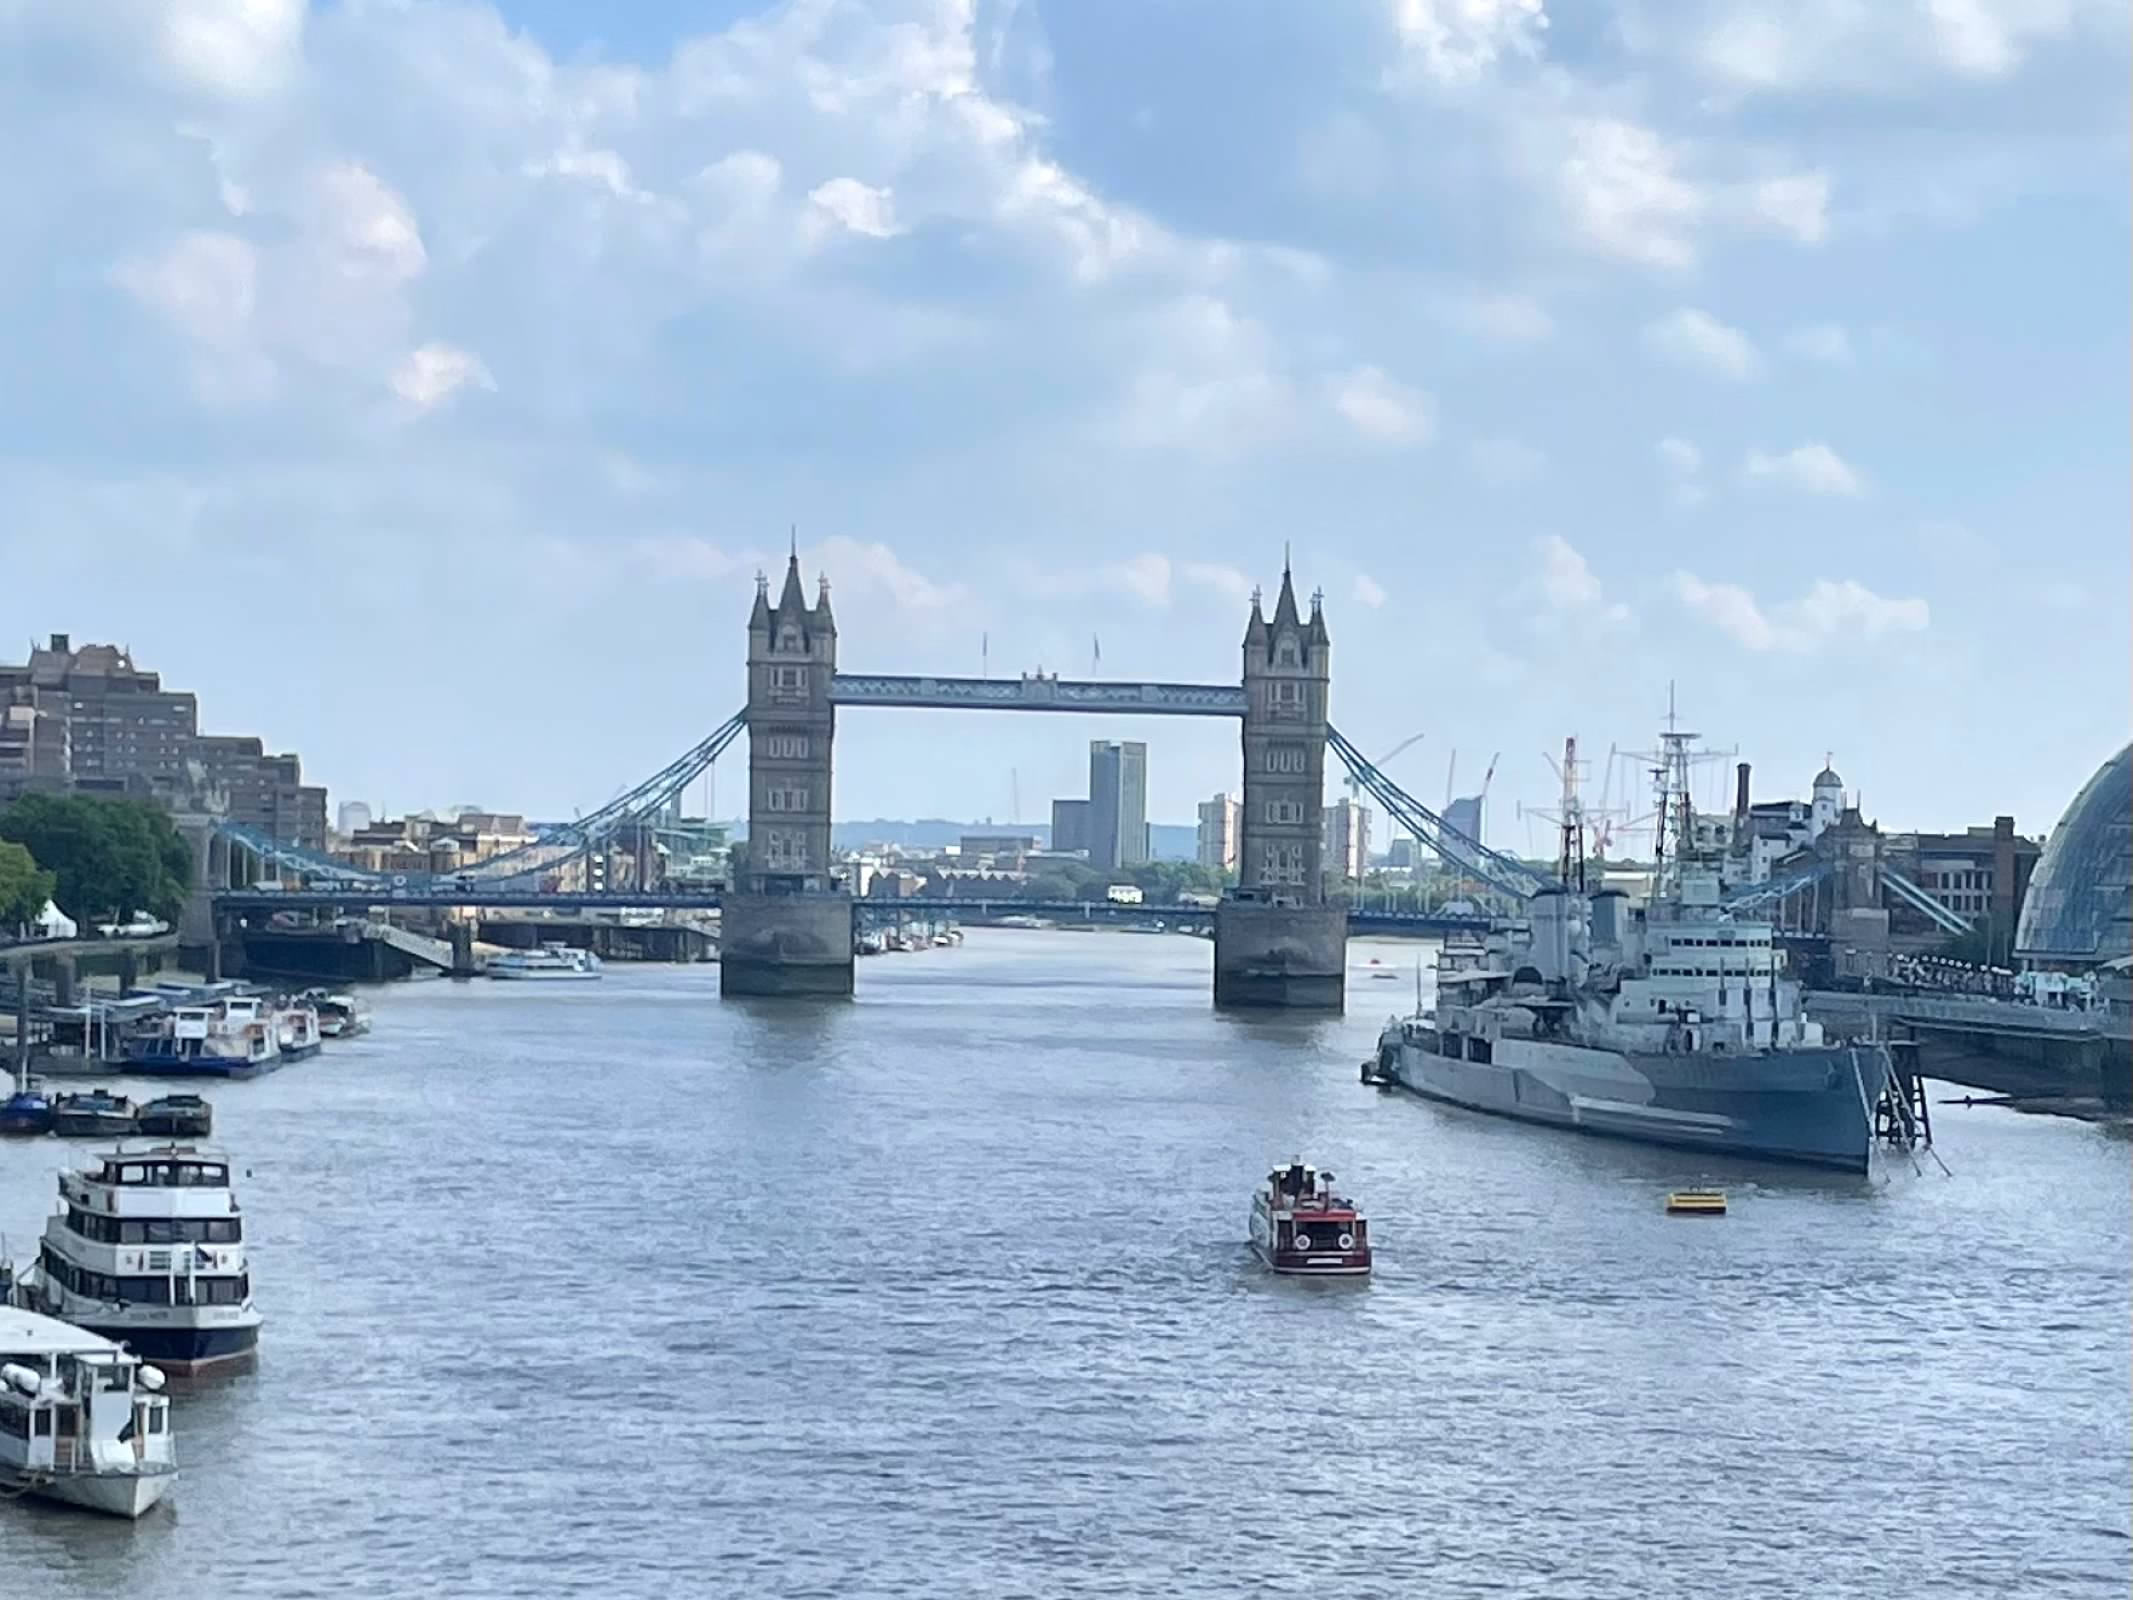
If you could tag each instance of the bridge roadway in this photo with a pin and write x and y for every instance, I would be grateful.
(1038, 694)
(363, 897)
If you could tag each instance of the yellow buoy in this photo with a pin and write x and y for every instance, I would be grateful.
(1696, 1203)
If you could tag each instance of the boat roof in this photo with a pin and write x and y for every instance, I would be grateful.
(30, 1333)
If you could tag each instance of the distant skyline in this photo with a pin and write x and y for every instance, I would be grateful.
(422, 385)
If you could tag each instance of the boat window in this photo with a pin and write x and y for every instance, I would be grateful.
(41, 1424)
(1478, 1050)
(223, 1291)
(133, 1175)
(14, 1420)
(157, 1417)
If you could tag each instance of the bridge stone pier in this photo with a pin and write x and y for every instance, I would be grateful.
(1277, 942)
(785, 925)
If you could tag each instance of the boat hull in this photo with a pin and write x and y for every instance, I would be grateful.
(158, 1066)
(181, 1349)
(116, 1494)
(299, 1052)
(1291, 1265)
(1809, 1107)
(176, 1127)
(93, 1125)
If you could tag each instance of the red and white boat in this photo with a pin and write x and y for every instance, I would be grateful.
(1301, 1226)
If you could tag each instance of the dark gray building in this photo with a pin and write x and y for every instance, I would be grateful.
(1118, 803)
(1070, 825)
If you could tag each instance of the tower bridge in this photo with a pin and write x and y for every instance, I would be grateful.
(787, 918)
(786, 921)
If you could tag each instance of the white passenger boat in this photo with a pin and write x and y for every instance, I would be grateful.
(340, 1016)
(296, 1030)
(146, 1246)
(231, 1037)
(551, 962)
(81, 1420)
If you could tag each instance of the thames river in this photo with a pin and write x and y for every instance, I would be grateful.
(611, 1289)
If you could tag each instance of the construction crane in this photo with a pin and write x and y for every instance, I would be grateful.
(1355, 787)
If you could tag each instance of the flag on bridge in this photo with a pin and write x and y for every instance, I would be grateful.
(1096, 649)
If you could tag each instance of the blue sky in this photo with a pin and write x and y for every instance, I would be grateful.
(423, 384)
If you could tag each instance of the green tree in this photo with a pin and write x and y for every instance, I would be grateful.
(24, 886)
(108, 857)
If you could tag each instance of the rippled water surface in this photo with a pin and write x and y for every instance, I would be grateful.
(612, 1289)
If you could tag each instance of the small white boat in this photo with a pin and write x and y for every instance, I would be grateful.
(82, 1420)
(297, 1030)
(551, 962)
(340, 1016)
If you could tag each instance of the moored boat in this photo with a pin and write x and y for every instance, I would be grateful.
(296, 1031)
(177, 1116)
(552, 962)
(82, 1420)
(93, 1114)
(233, 1036)
(146, 1246)
(340, 1016)
(1302, 1227)
(1671, 1024)
(26, 1111)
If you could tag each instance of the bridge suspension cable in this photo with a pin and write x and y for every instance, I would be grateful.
(556, 848)
(1452, 846)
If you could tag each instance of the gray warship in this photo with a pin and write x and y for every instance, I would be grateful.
(1671, 1023)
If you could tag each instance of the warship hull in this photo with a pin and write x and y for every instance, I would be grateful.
(1813, 1106)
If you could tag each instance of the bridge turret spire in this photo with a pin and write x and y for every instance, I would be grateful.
(1285, 612)
(824, 622)
(792, 599)
(759, 617)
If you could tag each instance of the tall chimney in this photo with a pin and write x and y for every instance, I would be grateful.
(1740, 792)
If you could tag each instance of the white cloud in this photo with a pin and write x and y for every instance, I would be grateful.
(678, 557)
(1218, 576)
(1514, 318)
(1505, 460)
(1682, 463)
(1812, 468)
(232, 47)
(205, 286)
(1795, 206)
(1679, 457)
(1456, 41)
(857, 207)
(1865, 46)
(1697, 339)
(1829, 610)
(1144, 577)
(1368, 591)
(1571, 588)
(432, 373)
(1383, 409)
(1209, 382)
(1625, 191)
(871, 566)
(602, 167)
(1826, 342)
(365, 225)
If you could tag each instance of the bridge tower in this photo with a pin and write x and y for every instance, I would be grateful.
(1277, 942)
(786, 923)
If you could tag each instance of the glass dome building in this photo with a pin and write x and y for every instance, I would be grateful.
(2079, 911)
